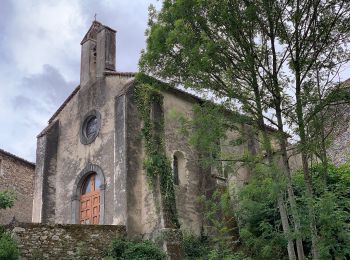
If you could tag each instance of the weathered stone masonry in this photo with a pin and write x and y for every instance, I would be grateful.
(117, 150)
(38, 241)
(17, 175)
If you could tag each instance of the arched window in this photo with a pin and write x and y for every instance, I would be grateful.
(176, 170)
(179, 169)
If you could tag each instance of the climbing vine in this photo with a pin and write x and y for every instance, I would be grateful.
(156, 164)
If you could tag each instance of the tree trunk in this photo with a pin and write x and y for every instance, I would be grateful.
(268, 148)
(323, 155)
(285, 225)
(291, 196)
(283, 145)
(304, 156)
(301, 130)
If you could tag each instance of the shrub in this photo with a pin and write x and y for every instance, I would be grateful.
(202, 248)
(7, 199)
(8, 247)
(218, 255)
(121, 249)
(331, 205)
(260, 226)
(195, 247)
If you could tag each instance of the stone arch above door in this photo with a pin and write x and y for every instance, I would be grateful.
(75, 201)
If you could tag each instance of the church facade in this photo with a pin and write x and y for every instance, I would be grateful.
(89, 167)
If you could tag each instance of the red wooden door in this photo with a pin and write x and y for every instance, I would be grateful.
(90, 201)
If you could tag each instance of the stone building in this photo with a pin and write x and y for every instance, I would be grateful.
(17, 175)
(90, 156)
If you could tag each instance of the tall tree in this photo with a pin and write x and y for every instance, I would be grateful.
(211, 45)
(311, 31)
(270, 67)
(265, 57)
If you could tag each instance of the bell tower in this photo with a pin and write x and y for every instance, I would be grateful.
(97, 53)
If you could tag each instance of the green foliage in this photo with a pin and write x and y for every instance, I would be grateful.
(222, 238)
(334, 227)
(219, 255)
(82, 252)
(271, 58)
(8, 247)
(203, 248)
(156, 164)
(332, 208)
(207, 132)
(222, 226)
(7, 199)
(139, 250)
(195, 247)
(209, 123)
(260, 228)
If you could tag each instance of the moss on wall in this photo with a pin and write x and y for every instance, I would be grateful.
(58, 241)
(149, 102)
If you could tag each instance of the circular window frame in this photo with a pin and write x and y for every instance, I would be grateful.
(84, 139)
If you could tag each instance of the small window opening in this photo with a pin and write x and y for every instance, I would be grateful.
(217, 167)
(176, 170)
(94, 54)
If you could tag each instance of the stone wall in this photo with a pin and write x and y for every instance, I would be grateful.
(191, 175)
(17, 175)
(73, 157)
(339, 126)
(39, 241)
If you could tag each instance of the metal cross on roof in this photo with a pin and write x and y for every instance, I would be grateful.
(95, 16)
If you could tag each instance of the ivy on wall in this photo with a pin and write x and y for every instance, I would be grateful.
(156, 164)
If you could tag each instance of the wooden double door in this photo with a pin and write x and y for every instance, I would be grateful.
(90, 200)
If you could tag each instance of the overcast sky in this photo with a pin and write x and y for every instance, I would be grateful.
(40, 58)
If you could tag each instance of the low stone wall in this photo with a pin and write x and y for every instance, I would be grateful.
(39, 241)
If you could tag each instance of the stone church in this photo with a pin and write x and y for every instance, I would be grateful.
(89, 166)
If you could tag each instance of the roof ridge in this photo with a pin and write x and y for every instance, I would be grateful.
(64, 104)
(16, 157)
(123, 74)
(119, 73)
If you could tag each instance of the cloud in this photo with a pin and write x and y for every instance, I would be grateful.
(26, 113)
(45, 32)
(129, 18)
(40, 58)
(50, 86)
